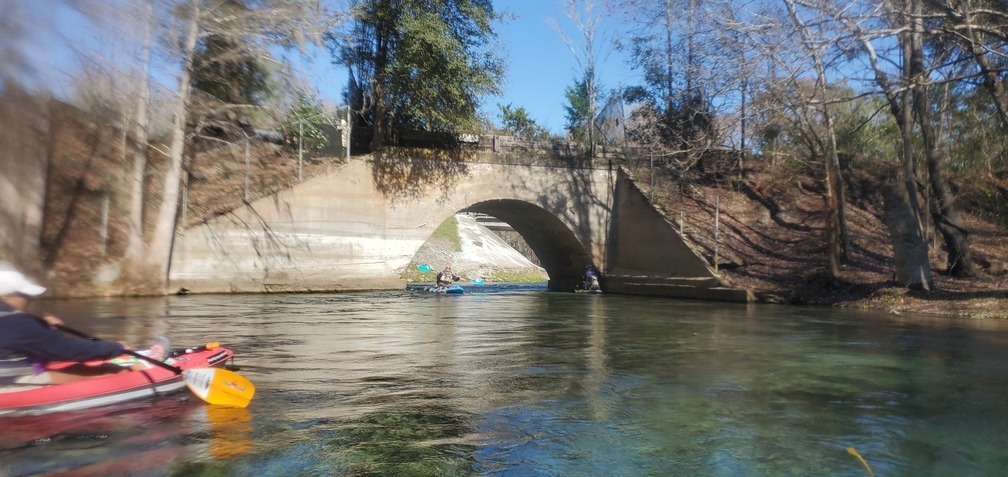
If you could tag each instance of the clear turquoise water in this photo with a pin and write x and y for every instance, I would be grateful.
(513, 381)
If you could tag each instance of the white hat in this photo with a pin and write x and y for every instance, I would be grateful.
(13, 281)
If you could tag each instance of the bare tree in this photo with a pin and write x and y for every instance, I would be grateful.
(836, 231)
(590, 44)
(136, 160)
(982, 29)
(944, 209)
(159, 249)
(909, 102)
(285, 23)
(738, 34)
(881, 23)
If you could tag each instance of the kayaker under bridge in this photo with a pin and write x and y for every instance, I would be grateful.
(359, 227)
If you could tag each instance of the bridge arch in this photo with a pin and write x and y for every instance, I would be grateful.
(559, 251)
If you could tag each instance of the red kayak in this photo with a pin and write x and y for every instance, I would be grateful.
(115, 388)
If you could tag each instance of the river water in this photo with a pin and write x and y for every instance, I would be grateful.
(520, 381)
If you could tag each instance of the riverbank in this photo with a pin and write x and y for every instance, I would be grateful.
(770, 239)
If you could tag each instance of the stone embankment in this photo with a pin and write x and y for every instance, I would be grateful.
(483, 255)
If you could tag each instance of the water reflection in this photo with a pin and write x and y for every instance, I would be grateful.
(522, 382)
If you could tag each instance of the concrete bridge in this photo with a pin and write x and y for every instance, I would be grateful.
(359, 227)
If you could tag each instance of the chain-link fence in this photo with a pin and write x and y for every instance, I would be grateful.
(222, 178)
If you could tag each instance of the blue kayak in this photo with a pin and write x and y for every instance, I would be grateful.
(452, 290)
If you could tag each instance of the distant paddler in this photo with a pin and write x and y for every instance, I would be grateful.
(445, 278)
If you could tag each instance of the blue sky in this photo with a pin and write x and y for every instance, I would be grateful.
(540, 66)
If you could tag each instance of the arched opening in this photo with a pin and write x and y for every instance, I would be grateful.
(554, 254)
(559, 251)
(473, 245)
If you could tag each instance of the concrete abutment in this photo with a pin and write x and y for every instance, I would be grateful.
(360, 226)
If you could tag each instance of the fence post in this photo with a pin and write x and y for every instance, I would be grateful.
(300, 149)
(185, 199)
(717, 225)
(651, 171)
(104, 223)
(248, 170)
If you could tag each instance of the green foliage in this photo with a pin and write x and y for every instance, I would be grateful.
(305, 119)
(671, 56)
(688, 121)
(448, 230)
(423, 64)
(414, 275)
(517, 276)
(517, 122)
(979, 154)
(224, 63)
(578, 109)
(865, 131)
(982, 145)
(790, 129)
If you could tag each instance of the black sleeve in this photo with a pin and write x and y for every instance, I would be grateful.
(32, 337)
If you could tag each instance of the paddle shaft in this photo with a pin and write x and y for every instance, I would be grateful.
(130, 352)
(215, 386)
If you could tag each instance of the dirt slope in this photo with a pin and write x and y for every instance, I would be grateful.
(771, 240)
(483, 255)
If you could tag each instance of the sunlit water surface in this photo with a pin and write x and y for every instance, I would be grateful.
(518, 381)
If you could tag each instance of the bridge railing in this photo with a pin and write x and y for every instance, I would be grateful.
(225, 177)
(503, 149)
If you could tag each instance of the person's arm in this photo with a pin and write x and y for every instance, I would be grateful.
(52, 320)
(34, 338)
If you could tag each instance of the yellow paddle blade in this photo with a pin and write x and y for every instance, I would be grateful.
(219, 386)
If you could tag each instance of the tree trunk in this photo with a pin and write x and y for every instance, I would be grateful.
(742, 125)
(840, 243)
(669, 76)
(944, 209)
(379, 126)
(836, 235)
(159, 252)
(913, 270)
(905, 121)
(992, 81)
(133, 269)
(900, 109)
(832, 238)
